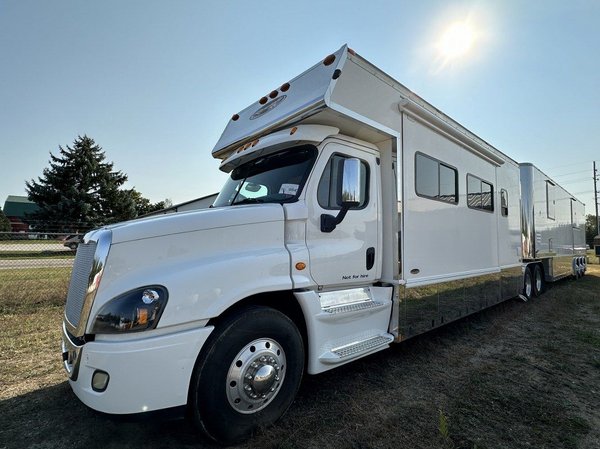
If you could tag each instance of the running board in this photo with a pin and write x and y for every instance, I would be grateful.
(353, 307)
(356, 349)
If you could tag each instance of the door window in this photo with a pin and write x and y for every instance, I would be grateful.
(329, 193)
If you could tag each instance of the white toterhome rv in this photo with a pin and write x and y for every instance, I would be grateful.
(356, 215)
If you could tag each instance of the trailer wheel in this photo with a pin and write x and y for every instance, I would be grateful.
(528, 284)
(576, 269)
(247, 375)
(538, 280)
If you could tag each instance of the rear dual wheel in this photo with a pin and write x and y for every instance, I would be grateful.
(533, 281)
(247, 375)
(538, 280)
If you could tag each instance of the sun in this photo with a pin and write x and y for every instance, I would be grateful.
(456, 41)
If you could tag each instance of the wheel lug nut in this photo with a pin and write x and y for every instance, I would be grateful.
(263, 359)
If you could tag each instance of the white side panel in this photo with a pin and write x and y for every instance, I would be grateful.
(443, 240)
(509, 226)
(579, 226)
(557, 233)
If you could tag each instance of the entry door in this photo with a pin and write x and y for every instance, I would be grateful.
(351, 253)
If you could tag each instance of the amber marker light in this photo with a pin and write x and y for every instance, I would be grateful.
(273, 94)
(255, 142)
(263, 100)
(142, 315)
(300, 266)
(235, 117)
(352, 52)
(285, 87)
(293, 130)
(329, 60)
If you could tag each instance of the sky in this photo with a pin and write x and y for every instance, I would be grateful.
(155, 82)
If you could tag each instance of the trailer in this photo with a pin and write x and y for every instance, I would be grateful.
(553, 224)
(356, 215)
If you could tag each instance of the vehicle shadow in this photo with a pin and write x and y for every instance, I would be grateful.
(53, 417)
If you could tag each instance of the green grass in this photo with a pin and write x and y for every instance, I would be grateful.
(27, 290)
(44, 254)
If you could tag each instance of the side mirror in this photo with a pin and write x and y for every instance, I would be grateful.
(350, 194)
(351, 175)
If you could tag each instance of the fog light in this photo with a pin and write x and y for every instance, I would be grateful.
(100, 381)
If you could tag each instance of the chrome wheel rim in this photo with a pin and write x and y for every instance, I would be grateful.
(255, 375)
(528, 286)
(538, 280)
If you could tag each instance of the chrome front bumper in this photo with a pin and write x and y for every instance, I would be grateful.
(71, 354)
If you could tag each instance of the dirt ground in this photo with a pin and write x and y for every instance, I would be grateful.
(520, 375)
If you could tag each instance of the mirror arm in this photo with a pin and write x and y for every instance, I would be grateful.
(329, 222)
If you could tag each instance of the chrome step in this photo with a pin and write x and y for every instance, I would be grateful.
(356, 349)
(353, 307)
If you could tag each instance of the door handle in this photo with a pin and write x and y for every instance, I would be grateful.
(370, 257)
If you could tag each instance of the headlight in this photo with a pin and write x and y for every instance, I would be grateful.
(134, 311)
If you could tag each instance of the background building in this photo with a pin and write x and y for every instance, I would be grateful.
(16, 209)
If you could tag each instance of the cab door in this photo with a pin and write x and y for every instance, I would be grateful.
(350, 254)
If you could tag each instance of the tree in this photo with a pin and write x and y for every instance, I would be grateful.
(79, 191)
(591, 230)
(143, 205)
(4, 224)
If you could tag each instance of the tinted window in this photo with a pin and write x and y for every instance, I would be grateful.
(550, 199)
(480, 194)
(435, 180)
(329, 192)
(473, 192)
(427, 176)
(504, 202)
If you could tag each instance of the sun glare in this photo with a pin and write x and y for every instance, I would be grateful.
(456, 41)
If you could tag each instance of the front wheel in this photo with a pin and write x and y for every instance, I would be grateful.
(247, 375)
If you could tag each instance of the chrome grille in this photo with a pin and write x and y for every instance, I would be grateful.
(80, 276)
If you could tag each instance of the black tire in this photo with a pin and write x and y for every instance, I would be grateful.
(211, 404)
(73, 246)
(528, 284)
(538, 281)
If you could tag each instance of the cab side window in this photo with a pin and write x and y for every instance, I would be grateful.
(329, 193)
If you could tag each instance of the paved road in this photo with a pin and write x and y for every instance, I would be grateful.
(28, 247)
(35, 263)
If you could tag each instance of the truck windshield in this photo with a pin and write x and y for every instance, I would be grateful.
(275, 178)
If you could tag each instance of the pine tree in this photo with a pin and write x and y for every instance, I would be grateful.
(79, 191)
